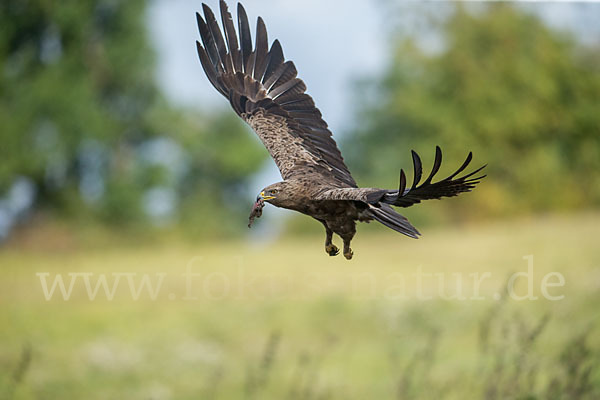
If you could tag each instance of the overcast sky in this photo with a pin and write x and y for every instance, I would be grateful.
(329, 41)
(332, 43)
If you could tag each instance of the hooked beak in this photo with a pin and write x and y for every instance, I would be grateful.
(263, 197)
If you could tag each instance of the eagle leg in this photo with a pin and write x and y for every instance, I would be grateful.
(348, 253)
(330, 248)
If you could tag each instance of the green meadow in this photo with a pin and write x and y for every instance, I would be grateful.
(431, 318)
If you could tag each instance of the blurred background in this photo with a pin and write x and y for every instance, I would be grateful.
(118, 157)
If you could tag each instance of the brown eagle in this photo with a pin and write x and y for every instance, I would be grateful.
(264, 90)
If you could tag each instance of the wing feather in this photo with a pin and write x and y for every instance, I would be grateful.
(208, 41)
(215, 32)
(275, 60)
(263, 88)
(294, 86)
(231, 37)
(418, 168)
(284, 73)
(245, 38)
(262, 50)
(210, 72)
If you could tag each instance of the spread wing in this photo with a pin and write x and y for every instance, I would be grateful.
(407, 196)
(265, 91)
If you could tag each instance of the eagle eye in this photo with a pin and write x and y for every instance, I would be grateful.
(274, 191)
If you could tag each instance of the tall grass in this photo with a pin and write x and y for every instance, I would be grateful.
(311, 326)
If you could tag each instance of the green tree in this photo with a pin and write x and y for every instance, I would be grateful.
(523, 97)
(81, 117)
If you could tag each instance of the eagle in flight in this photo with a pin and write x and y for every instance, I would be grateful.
(264, 90)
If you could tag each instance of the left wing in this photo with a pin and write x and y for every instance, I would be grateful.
(263, 89)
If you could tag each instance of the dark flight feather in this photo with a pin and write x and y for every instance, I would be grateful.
(402, 186)
(295, 86)
(463, 166)
(275, 60)
(245, 38)
(230, 37)
(262, 49)
(209, 43)
(215, 33)
(418, 169)
(436, 165)
(284, 73)
(210, 72)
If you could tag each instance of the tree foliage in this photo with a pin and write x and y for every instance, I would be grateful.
(523, 97)
(82, 119)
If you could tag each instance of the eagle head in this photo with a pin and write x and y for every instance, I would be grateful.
(275, 194)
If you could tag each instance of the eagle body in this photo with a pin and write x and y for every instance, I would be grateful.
(264, 90)
(337, 216)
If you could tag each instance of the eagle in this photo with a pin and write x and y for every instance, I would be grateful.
(265, 91)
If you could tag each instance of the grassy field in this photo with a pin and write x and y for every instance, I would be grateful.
(433, 318)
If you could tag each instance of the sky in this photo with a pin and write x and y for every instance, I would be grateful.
(329, 41)
(333, 43)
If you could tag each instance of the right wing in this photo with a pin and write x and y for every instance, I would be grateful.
(406, 197)
(263, 89)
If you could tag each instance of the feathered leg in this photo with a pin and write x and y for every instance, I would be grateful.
(347, 234)
(348, 253)
(330, 248)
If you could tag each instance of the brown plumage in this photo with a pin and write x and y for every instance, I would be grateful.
(265, 91)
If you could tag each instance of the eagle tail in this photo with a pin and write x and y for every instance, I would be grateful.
(390, 218)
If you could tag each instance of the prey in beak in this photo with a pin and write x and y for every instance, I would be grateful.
(259, 204)
(257, 208)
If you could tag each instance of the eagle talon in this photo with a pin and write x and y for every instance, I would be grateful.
(348, 254)
(332, 250)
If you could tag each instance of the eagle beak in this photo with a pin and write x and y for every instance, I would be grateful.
(262, 196)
